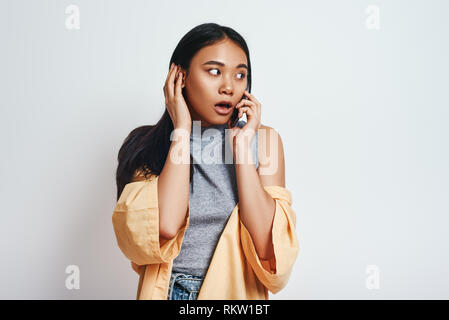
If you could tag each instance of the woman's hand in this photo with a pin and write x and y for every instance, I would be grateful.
(174, 100)
(239, 137)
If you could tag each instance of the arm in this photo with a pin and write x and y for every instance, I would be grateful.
(256, 209)
(268, 222)
(274, 274)
(257, 206)
(174, 184)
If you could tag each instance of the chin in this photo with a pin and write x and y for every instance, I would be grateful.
(215, 121)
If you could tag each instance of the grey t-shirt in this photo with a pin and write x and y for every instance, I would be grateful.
(213, 196)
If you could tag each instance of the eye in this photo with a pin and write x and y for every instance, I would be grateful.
(243, 75)
(213, 69)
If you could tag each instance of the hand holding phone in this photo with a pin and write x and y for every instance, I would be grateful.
(235, 115)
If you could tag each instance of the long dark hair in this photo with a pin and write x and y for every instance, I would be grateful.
(146, 147)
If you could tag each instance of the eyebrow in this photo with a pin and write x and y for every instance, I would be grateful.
(242, 65)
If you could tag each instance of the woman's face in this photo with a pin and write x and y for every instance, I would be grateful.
(217, 73)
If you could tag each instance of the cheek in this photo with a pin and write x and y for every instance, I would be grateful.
(202, 83)
(199, 89)
(243, 83)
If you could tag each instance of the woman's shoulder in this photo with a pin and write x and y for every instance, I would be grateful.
(264, 134)
(263, 138)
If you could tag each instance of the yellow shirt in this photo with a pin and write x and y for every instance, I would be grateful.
(235, 271)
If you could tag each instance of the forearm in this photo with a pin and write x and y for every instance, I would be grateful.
(256, 206)
(173, 185)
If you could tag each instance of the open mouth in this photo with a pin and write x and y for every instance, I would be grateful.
(225, 105)
(223, 108)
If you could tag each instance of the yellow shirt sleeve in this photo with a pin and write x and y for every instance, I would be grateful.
(275, 273)
(136, 225)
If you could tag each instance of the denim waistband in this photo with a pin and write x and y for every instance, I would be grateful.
(182, 275)
(191, 282)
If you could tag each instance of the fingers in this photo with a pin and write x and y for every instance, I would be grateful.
(247, 106)
(251, 97)
(255, 102)
(168, 87)
(250, 105)
(169, 71)
(178, 91)
(246, 110)
(166, 79)
(166, 84)
(171, 81)
(244, 103)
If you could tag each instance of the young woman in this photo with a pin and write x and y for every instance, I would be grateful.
(197, 229)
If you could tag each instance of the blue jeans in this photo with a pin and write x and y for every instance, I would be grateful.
(184, 286)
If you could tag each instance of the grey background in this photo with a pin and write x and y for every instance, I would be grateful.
(362, 114)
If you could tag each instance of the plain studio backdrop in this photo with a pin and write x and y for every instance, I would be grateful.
(358, 91)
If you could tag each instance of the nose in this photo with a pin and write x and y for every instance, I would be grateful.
(226, 86)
